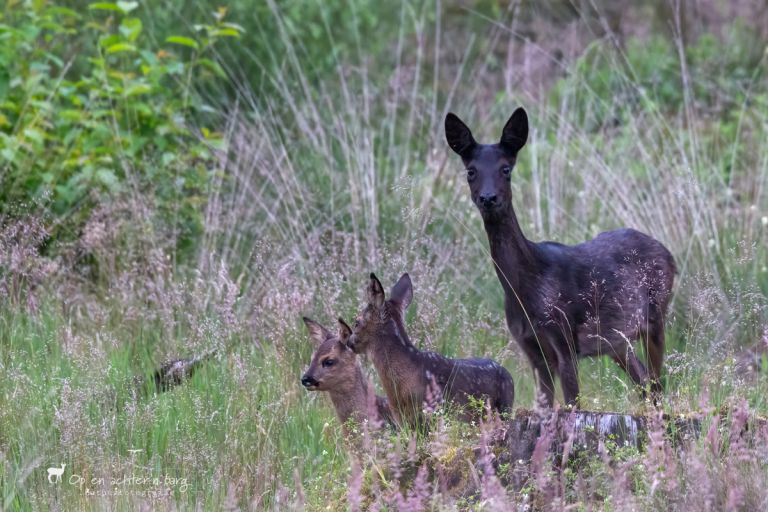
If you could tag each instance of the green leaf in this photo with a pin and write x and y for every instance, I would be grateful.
(63, 11)
(235, 26)
(175, 68)
(34, 135)
(107, 41)
(184, 41)
(131, 28)
(104, 6)
(225, 32)
(138, 89)
(8, 154)
(121, 47)
(213, 66)
(127, 7)
(107, 178)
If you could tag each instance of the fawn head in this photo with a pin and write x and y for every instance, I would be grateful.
(381, 317)
(489, 166)
(333, 363)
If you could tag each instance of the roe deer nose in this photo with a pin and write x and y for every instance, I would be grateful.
(488, 199)
(308, 381)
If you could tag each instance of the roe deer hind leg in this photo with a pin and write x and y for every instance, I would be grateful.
(569, 379)
(655, 351)
(631, 364)
(543, 371)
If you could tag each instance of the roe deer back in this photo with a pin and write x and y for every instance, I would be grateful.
(566, 302)
(335, 368)
(407, 373)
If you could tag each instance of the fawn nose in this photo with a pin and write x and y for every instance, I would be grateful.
(308, 381)
(488, 200)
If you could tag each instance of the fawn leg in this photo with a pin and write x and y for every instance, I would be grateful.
(505, 393)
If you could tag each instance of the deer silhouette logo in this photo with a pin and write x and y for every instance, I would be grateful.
(57, 472)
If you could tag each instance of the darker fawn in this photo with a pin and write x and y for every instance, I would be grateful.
(565, 302)
(406, 372)
(336, 369)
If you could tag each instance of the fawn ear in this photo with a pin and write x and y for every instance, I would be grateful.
(459, 136)
(317, 333)
(515, 132)
(344, 332)
(402, 292)
(375, 292)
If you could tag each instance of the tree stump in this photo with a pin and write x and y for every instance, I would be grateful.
(531, 439)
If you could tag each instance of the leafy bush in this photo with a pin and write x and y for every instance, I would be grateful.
(91, 108)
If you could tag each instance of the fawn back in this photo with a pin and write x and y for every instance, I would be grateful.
(407, 373)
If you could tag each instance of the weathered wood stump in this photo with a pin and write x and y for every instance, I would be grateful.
(530, 439)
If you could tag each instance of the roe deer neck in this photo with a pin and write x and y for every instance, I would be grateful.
(395, 347)
(351, 400)
(513, 255)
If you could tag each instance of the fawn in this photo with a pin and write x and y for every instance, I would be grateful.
(335, 368)
(566, 302)
(407, 373)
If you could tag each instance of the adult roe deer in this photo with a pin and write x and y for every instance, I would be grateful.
(564, 302)
(406, 372)
(335, 368)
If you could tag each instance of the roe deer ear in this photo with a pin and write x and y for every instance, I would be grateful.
(317, 333)
(375, 292)
(459, 136)
(402, 293)
(344, 332)
(515, 132)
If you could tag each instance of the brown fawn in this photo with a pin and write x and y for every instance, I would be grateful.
(566, 302)
(335, 368)
(407, 373)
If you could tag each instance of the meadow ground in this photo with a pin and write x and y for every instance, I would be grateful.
(317, 180)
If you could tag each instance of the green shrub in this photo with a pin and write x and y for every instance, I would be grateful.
(91, 107)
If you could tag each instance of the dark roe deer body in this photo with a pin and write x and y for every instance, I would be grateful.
(566, 302)
(407, 373)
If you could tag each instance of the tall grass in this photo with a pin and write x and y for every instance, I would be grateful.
(320, 184)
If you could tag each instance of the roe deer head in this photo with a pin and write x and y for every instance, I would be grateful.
(335, 368)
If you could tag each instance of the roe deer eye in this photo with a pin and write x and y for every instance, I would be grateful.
(328, 363)
(471, 172)
(356, 325)
(506, 170)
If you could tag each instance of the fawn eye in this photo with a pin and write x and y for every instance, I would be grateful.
(471, 172)
(328, 363)
(506, 170)
(357, 324)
